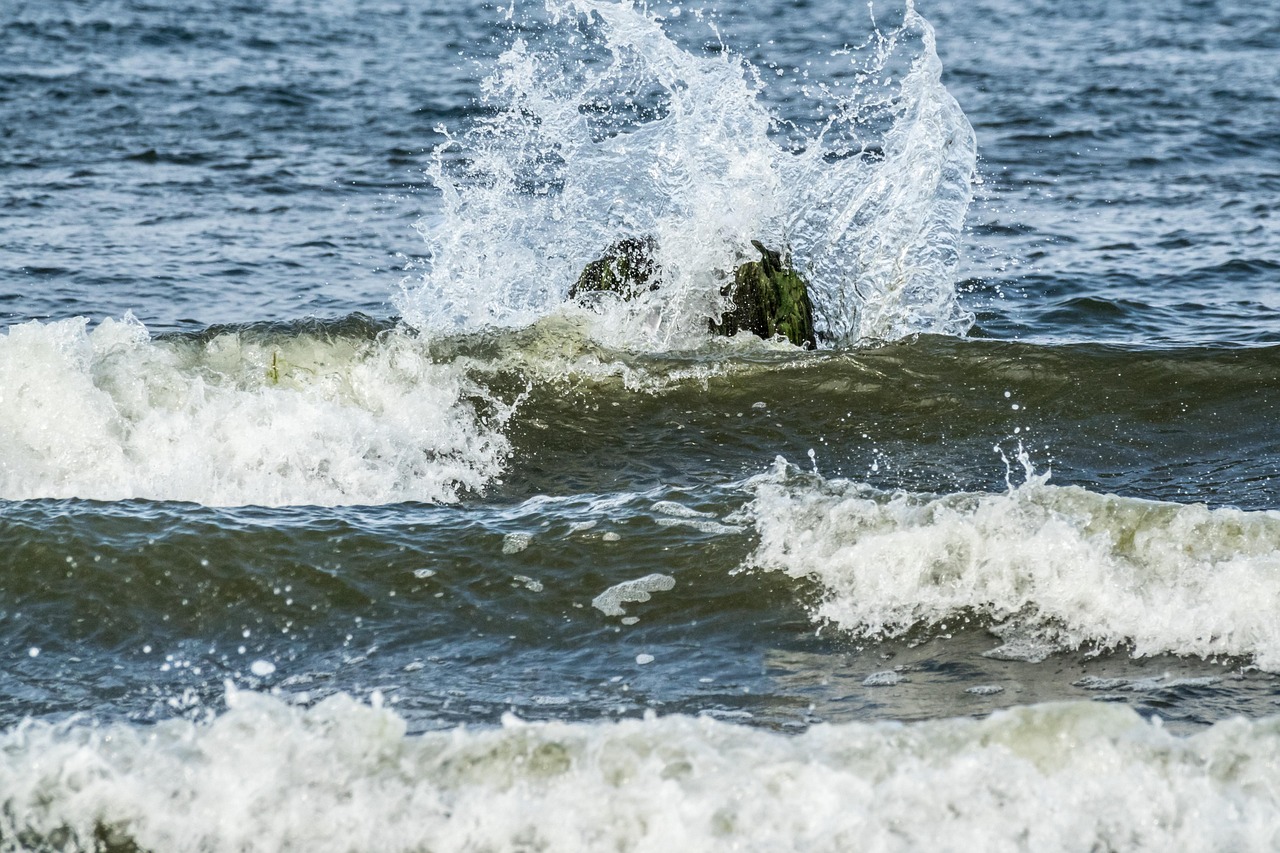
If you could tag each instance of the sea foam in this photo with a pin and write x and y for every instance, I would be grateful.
(1053, 567)
(110, 413)
(344, 776)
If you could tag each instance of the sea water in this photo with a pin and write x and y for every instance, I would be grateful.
(328, 522)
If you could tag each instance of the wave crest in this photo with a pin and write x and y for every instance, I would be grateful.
(234, 417)
(1055, 565)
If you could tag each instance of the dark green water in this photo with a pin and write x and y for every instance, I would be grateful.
(142, 609)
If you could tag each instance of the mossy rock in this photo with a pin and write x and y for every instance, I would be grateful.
(767, 295)
(627, 268)
(769, 299)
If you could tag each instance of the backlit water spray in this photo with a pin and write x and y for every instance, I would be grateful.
(599, 126)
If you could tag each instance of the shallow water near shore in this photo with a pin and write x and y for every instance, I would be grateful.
(326, 522)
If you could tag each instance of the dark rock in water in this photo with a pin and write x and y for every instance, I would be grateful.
(627, 269)
(769, 299)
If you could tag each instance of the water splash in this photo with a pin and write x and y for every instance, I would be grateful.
(596, 125)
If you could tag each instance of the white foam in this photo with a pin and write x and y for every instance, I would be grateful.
(611, 600)
(701, 525)
(108, 413)
(266, 776)
(884, 678)
(1054, 567)
(552, 178)
(679, 510)
(1142, 685)
(514, 543)
(984, 689)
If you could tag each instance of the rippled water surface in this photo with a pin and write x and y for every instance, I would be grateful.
(328, 521)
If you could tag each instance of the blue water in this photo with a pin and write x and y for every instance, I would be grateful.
(201, 164)
(1130, 159)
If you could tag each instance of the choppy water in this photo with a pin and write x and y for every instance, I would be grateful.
(327, 523)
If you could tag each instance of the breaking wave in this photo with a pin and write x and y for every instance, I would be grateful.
(1050, 567)
(343, 776)
(237, 416)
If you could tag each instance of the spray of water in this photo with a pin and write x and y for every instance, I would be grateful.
(596, 125)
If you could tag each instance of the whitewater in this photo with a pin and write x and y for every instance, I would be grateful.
(328, 521)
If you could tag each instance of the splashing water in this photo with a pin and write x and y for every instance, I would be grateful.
(599, 126)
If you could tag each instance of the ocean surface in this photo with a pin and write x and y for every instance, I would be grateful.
(328, 522)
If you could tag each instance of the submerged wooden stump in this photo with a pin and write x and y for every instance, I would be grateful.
(767, 296)
(769, 299)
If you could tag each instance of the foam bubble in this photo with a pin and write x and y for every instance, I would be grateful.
(1054, 567)
(262, 668)
(109, 413)
(514, 543)
(611, 600)
(269, 776)
(884, 678)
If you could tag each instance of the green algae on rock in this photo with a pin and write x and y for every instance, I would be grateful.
(627, 268)
(769, 298)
